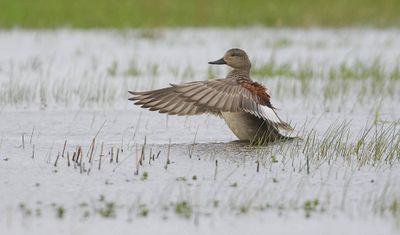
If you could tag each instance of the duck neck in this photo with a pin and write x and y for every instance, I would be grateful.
(240, 73)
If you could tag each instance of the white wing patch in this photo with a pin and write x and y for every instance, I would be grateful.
(268, 114)
(264, 112)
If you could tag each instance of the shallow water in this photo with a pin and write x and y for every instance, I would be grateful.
(71, 86)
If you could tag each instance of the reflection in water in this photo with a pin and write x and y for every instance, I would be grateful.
(232, 150)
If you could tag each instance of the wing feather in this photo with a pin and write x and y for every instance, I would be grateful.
(215, 96)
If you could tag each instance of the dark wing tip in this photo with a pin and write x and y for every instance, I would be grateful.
(134, 96)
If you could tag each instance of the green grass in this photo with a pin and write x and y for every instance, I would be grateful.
(156, 13)
(358, 70)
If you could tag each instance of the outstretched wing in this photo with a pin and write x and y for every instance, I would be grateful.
(215, 96)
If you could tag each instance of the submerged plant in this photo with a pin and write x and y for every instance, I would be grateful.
(184, 209)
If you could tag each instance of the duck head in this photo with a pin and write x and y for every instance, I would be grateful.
(235, 58)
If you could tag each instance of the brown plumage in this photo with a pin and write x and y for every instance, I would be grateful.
(259, 91)
(244, 104)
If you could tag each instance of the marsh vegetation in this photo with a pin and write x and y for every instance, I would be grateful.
(73, 150)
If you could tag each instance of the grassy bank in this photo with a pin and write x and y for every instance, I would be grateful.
(156, 13)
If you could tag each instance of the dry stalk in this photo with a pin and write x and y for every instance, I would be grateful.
(101, 154)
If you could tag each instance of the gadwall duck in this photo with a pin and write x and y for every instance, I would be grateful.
(244, 104)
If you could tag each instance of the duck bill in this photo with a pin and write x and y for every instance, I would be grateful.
(220, 61)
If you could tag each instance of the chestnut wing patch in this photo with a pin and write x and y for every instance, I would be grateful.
(258, 91)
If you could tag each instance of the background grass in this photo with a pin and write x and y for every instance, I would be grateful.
(158, 13)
